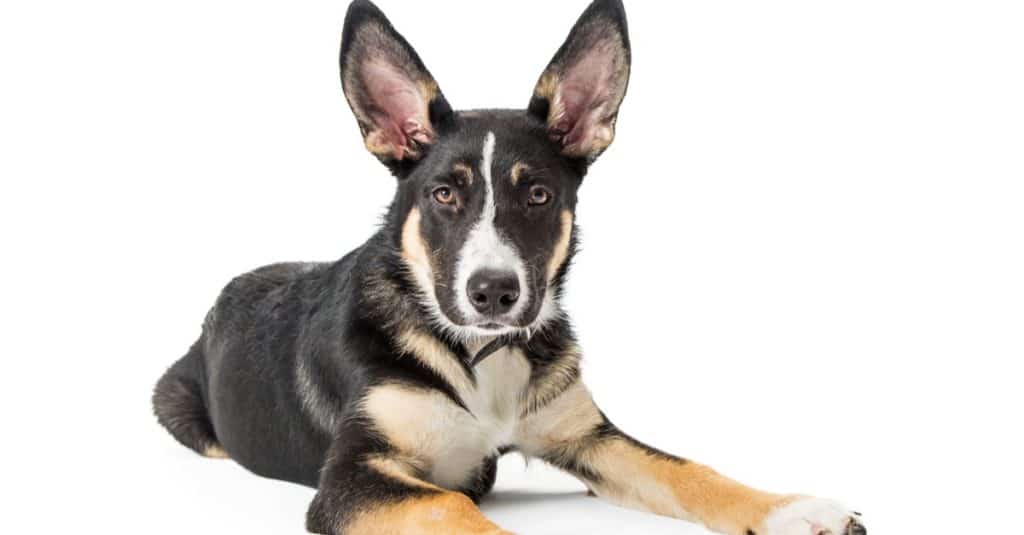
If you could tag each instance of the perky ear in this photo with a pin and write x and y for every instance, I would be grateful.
(394, 98)
(580, 92)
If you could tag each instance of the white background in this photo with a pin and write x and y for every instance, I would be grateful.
(803, 259)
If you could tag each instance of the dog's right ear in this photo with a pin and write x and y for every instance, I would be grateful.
(395, 99)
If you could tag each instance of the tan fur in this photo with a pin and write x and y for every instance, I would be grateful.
(449, 513)
(414, 251)
(443, 441)
(561, 422)
(215, 452)
(561, 251)
(413, 420)
(436, 356)
(438, 512)
(603, 137)
(401, 469)
(634, 477)
(517, 172)
(377, 143)
(428, 90)
(423, 425)
(446, 442)
(464, 172)
(547, 86)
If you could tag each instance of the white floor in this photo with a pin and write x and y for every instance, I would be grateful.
(538, 500)
(183, 493)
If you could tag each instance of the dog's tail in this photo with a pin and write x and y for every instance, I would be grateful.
(179, 406)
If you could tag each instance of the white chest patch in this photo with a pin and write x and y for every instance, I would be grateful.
(450, 443)
(496, 404)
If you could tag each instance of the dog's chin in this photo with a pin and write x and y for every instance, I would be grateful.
(484, 329)
(488, 329)
(468, 327)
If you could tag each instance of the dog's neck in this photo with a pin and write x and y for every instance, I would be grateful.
(487, 347)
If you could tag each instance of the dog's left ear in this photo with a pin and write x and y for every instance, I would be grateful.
(395, 99)
(579, 94)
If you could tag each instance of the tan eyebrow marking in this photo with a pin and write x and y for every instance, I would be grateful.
(463, 171)
(517, 172)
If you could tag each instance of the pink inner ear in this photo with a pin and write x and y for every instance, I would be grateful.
(399, 110)
(584, 96)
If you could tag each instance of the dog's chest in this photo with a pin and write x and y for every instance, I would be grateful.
(495, 403)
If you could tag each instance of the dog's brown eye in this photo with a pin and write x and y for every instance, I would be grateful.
(444, 195)
(539, 195)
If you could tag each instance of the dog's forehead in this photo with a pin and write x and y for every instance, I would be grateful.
(518, 139)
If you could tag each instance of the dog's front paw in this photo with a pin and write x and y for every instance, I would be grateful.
(812, 516)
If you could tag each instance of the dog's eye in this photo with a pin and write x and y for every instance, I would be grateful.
(539, 195)
(444, 195)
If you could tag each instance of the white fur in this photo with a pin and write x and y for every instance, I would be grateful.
(496, 404)
(486, 249)
(428, 426)
(808, 516)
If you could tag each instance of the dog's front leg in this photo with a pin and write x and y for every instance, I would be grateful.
(379, 494)
(571, 433)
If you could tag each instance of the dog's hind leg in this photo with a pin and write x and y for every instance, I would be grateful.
(179, 406)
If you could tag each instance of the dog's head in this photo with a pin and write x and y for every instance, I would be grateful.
(484, 213)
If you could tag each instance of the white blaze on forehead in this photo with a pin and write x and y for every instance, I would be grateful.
(485, 248)
(486, 169)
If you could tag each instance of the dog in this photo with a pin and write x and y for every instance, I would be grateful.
(393, 380)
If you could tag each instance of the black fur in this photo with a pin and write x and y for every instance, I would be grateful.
(179, 403)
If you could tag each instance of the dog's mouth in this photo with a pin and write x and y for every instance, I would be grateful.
(490, 328)
(494, 328)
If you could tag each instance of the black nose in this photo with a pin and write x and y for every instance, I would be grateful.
(493, 293)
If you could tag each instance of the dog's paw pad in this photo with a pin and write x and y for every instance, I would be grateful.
(813, 516)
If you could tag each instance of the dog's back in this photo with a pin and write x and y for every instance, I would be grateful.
(235, 390)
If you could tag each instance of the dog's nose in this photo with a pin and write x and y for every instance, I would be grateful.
(493, 293)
